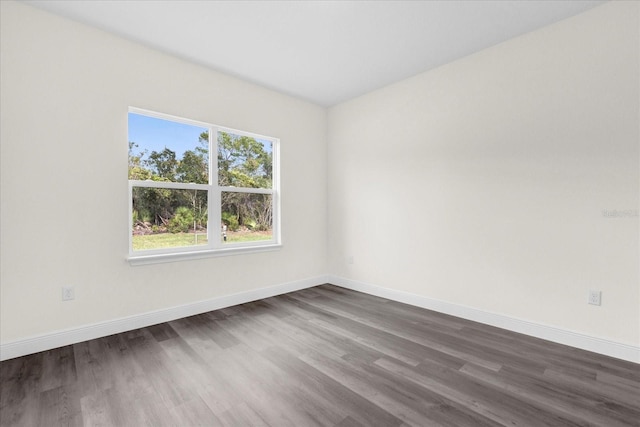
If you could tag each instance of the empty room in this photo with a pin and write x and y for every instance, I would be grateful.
(320, 213)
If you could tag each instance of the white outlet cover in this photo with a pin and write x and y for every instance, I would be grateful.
(68, 293)
(595, 297)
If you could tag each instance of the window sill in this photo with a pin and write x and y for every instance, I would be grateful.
(136, 260)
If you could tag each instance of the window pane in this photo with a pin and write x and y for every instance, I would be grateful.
(165, 218)
(246, 217)
(163, 150)
(244, 161)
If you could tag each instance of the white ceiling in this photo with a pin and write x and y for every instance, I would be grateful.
(322, 51)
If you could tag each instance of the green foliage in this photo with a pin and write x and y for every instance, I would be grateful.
(152, 204)
(164, 164)
(192, 168)
(242, 162)
(230, 220)
(181, 221)
(146, 216)
(136, 170)
(202, 219)
(157, 205)
(245, 162)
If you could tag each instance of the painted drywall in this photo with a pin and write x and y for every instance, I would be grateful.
(507, 181)
(65, 92)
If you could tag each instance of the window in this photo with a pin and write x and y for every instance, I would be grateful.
(186, 203)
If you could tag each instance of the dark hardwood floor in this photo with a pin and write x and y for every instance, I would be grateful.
(324, 356)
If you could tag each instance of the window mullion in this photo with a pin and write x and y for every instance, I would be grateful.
(249, 190)
(169, 185)
(215, 204)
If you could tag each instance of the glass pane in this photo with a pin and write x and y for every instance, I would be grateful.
(164, 218)
(246, 217)
(163, 150)
(244, 161)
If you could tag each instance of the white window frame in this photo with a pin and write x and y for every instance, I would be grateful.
(214, 246)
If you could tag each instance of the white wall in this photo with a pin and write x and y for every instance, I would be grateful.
(483, 183)
(65, 93)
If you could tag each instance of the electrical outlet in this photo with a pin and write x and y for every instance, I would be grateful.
(595, 297)
(68, 293)
(350, 259)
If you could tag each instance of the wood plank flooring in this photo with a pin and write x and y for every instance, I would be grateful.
(324, 356)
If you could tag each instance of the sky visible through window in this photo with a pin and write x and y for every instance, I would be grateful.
(152, 134)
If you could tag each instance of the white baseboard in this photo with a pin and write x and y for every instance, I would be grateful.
(550, 333)
(57, 339)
